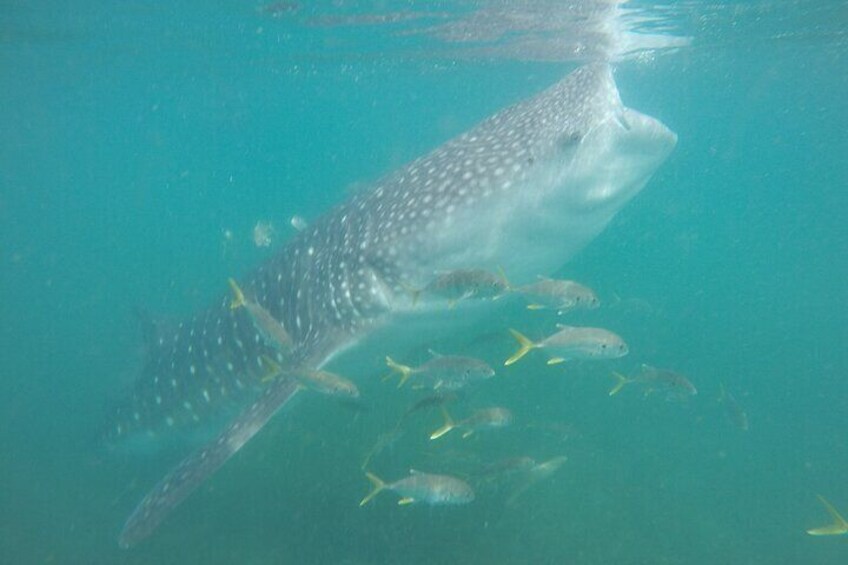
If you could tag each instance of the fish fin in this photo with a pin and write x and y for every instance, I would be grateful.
(467, 294)
(406, 500)
(556, 360)
(621, 380)
(524, 346)
(566, 307)
(434, 353)
(839, 525)
(378, 486)
(535, 306)
(414, 293)
(467, 434)
(403, 370)
(238, 295)
(564, 326)
(449, 425)
(504, 278)
(273, 369)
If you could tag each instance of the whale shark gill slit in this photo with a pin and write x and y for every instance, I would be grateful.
(553, 168)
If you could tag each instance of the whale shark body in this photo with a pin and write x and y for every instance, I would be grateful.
(523, 190)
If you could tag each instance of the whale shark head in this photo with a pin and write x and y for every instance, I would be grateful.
(528, 187)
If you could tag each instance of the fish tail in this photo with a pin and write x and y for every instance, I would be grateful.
(403, 370)
(378, 486)
(414, 293)
(238, 295)
(272, 369)
(621, 380)
(839, 525)
(507, 286)
(524, 346)
(449, 425)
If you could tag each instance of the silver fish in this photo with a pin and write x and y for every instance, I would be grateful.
(461, 284)
(506, 468)
(444, 372)
(554, 168)
(560, 295)
(424, 488)
(537, 473)
(482, 419)
(267, 327)
(671, 384)
(572, 342)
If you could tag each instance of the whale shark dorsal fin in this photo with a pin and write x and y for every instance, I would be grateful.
(839, 526)
(434, 353)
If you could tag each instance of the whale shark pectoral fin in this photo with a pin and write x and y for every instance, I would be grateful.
(192, 471)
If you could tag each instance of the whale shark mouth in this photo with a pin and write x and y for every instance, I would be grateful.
(524, 190)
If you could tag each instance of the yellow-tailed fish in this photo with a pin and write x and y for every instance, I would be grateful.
(483, 419)
(271, 330)
(560, 295)
(444, 372)
(572, 342)
(672, 385)
(424, 488)
(462, 284)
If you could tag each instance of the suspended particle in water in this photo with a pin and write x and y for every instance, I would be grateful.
(263, 233)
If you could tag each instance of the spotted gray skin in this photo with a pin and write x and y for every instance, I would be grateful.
(546, 174)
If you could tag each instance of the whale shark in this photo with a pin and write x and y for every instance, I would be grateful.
(524, 191)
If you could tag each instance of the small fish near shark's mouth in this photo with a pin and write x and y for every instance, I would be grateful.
(348, 272)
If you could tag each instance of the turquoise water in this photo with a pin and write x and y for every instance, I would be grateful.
(134, 139)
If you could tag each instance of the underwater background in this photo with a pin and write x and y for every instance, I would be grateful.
(140, 145)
